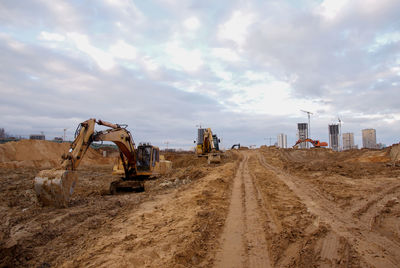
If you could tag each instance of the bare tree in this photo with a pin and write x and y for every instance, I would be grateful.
(2, 133)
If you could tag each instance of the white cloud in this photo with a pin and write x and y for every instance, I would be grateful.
(271, 98)
(150, 64)
(123, 4)
(127, 9)
(225, 54)
(189, 86)
(191, 23)
(220, 72)
(330, 8)
(188, 60)
(103, 59)
(384, 39)
(123, 50)
(51, 36)
(235, 29)
(65, 14)
(16, 45)
(256, 76)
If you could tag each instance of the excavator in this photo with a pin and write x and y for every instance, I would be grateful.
(315, 143)
(55, 186)
(208, 145)
(235, 146)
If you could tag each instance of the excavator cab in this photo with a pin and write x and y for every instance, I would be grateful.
(147, 158)
(216, 142)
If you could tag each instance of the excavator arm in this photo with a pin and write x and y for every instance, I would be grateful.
(208, 143)
(123, 139)
(78, 148)
(55, 186)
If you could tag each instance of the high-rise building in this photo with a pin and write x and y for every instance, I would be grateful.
(334, 137)
(302, 133)
(348, 141)
(369, 138)
(282, 140)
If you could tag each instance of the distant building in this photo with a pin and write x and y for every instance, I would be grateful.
(302, 133)
(334, 137)
(37, 137)
(369, 138)
(348, 141)
(282, 141)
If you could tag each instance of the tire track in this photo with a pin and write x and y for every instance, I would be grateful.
(241, 242)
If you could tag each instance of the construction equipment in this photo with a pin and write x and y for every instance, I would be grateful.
(55, 186)
(208, 145)
(315, 143)
(235, 145)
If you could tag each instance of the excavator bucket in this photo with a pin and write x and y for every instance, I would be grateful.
(214, 158)
(54, 187)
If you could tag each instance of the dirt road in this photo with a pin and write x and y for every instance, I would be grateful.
(258, 208)
(242, 244)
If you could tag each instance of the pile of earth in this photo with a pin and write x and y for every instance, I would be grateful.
(322, 155)
(43, 154)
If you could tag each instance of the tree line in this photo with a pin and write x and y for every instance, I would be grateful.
(3, 134)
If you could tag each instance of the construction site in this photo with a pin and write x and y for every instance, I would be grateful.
(263, 207)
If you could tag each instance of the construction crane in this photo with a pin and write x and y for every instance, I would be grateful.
(65, 134)
(340, 134)
(309, 123)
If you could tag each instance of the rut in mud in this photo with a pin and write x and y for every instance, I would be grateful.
(242, 244)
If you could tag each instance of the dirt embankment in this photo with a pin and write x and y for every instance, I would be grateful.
(43, 154)
(395, 153)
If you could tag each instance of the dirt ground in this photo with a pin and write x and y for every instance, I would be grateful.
(259, 208)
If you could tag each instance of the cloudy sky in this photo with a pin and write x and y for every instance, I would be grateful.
(243, 68)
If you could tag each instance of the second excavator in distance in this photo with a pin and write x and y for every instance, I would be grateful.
(55, 186)
(315, 143)
(208, 145)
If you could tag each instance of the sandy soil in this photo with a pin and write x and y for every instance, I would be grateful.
(258, 208)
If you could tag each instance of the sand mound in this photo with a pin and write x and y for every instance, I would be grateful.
(322, 154)
(42, 154)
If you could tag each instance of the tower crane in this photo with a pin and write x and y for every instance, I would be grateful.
(309, 123)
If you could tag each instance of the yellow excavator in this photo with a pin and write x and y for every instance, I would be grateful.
(55, 186)
(208, 145)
